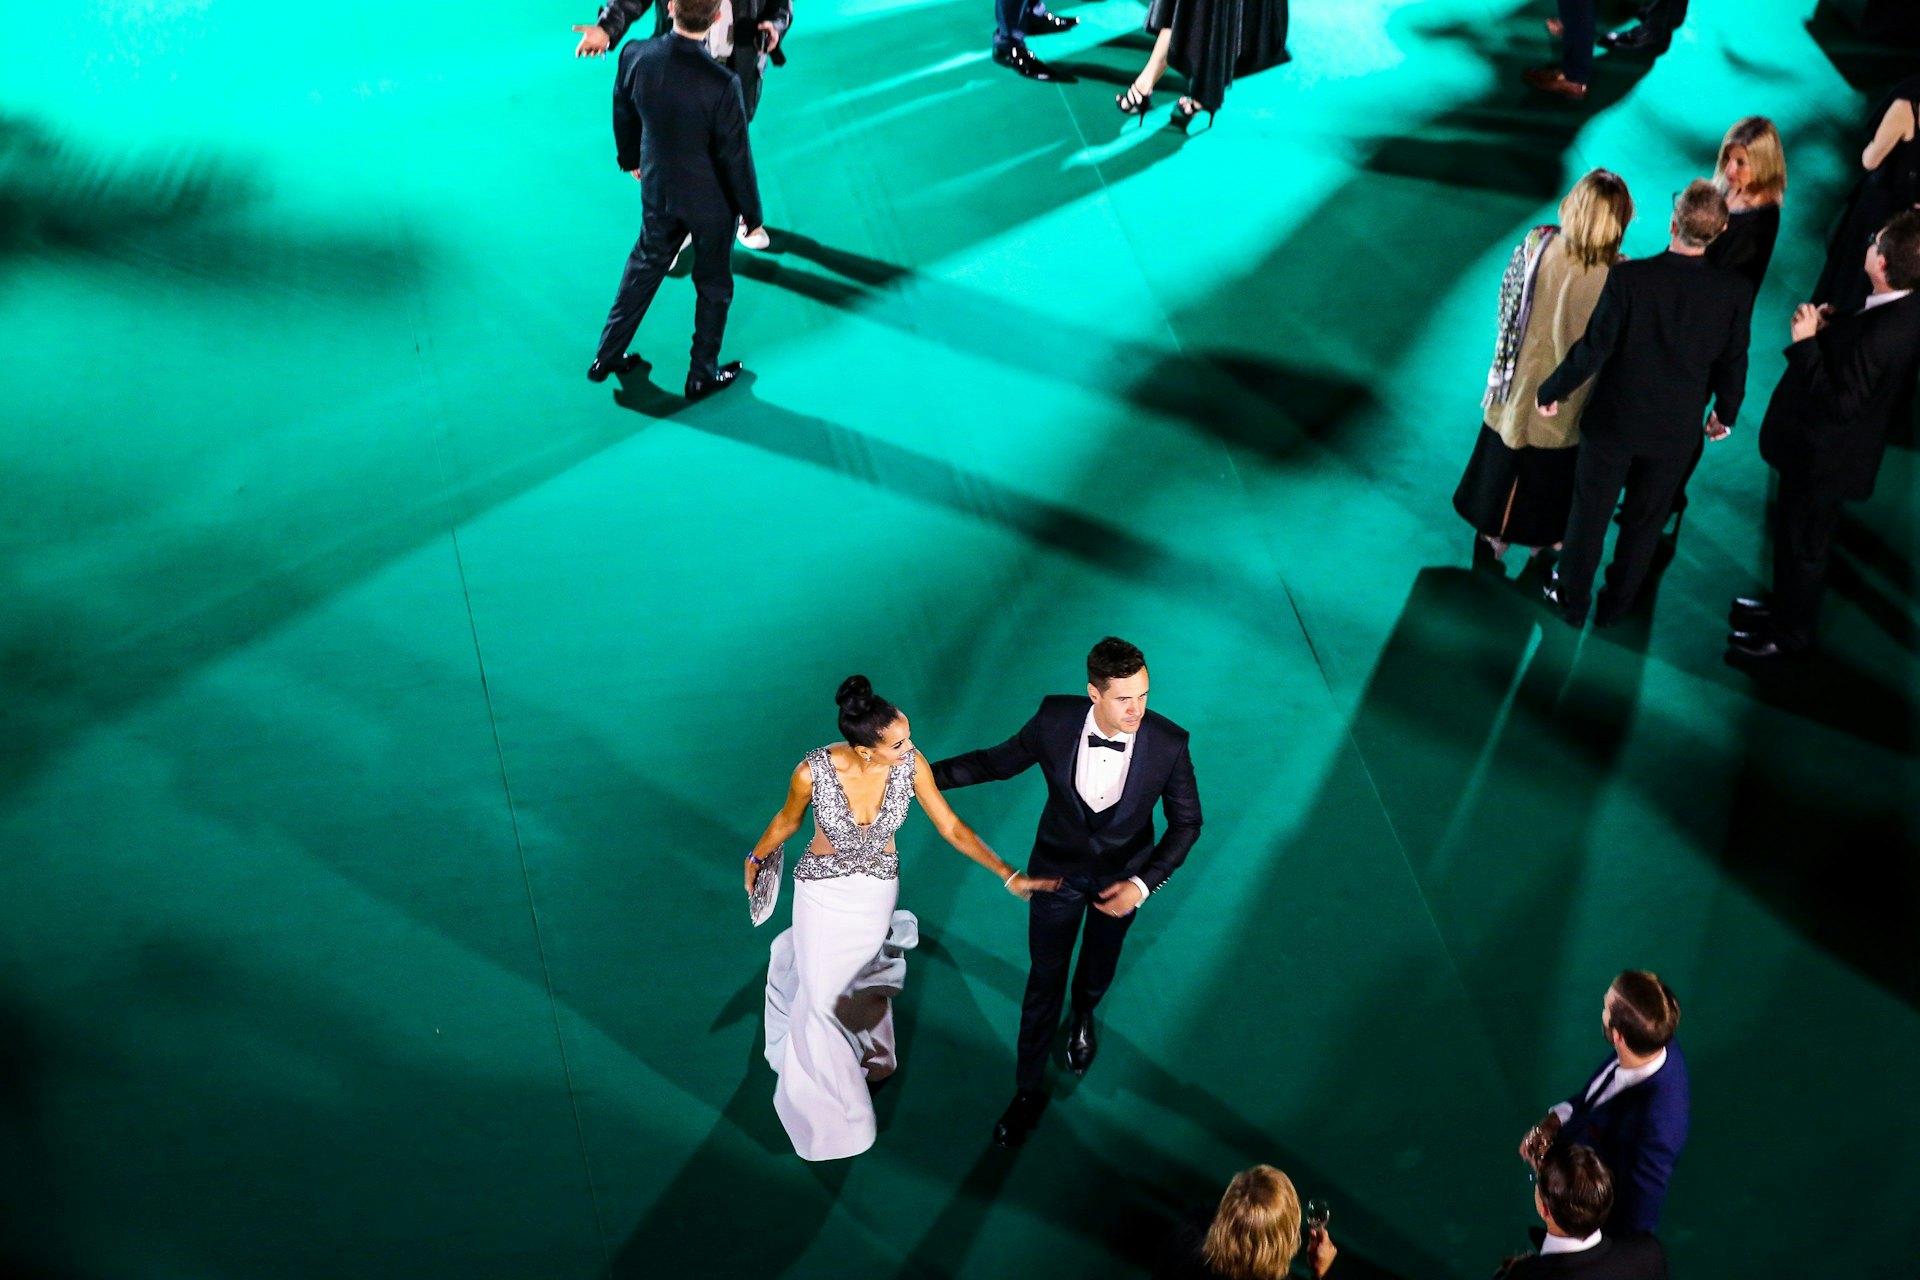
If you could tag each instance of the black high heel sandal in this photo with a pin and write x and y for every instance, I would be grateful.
(1134, 103)
(1183, 113)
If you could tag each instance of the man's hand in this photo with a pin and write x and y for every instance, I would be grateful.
(593, 42)
(1024, 887)
(1320, 1252)
(1549, 410)
(636, 174)
(1807, 321)
(1119, 898)
(773, 36)
(1534, 1146)
(1716, 429)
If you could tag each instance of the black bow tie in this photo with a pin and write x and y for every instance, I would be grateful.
(1095, 740)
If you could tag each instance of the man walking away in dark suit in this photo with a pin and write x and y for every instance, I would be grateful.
(1573, 1194)
(1848, 379)
(680, 127)
(1106, 766)
(1669, 332)
(1635, 1109)
(744, 37)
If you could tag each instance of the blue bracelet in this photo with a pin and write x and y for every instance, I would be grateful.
(758, 862)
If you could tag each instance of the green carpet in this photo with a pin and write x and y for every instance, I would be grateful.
(386, 708)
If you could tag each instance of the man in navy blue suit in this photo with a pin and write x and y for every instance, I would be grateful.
(1633, 1110)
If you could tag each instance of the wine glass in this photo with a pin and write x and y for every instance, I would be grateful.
(1318, 1214)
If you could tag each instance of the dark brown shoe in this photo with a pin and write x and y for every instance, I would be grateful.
(1553, 80)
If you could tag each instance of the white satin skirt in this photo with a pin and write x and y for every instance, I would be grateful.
(830, 1012)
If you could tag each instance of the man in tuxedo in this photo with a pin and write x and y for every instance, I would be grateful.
(744, 37)
(1848, 378)
(1573, 1194)
(1669, 332)
(1634, 1110)
(680, 127)
(1013, 22)
(1106, 765)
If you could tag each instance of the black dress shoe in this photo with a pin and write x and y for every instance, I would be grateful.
(599, 369)
(1049, 24)
(1081, 1044)
(1749, 609)
(1753, 647)
(700, 386)
(1017, 1121)
(1017, 57)
(1639, 39)
(1551, 594)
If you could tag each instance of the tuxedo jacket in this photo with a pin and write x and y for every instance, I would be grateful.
(679, 120)
(617, 17)
(1614, 1258)
(1637, 1134)
(1668, 333)
(1826, 426)
(1119, 842)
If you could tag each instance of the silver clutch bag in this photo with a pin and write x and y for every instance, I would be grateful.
(766, 887)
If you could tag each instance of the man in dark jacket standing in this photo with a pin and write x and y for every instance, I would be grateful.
(680, 127)
(1668, 333)
(1848, 378)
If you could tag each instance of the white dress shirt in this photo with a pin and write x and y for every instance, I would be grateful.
(1610, 1082)
(1882, 299)
(1100, 774)
(1567, 1244)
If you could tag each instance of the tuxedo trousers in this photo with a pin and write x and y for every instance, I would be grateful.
(660, 236)
(1577, 21)
(1600, 478)
(1804, 522)
(1055, 921)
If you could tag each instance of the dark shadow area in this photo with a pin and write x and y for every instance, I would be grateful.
(1868, 51)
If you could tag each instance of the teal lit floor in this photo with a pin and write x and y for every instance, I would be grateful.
(384, 709)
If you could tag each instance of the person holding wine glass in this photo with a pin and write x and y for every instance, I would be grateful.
(1253, 1234)
(844, 890)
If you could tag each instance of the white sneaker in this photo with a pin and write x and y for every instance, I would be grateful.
(684, 245)
(752, 239)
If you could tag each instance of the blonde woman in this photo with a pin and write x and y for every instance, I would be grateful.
(1252, 1235)
(1891, 183)
(1752, 174)
(1518, 486)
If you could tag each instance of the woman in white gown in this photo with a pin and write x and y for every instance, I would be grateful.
(843, 907)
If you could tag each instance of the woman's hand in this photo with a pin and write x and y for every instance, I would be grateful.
(753, 873)
(1024, 887)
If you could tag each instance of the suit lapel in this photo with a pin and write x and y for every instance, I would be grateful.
(1137, 768)
(1065, 738)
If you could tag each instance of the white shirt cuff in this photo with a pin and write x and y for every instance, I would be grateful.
(1145, 893)
(1564, 1110)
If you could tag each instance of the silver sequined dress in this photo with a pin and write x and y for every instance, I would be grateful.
(827, 969)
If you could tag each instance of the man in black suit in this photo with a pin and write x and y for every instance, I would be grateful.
(680, 127)
(1848, 378)
(1573, 1194)
(1106, 765)
(1669, 332)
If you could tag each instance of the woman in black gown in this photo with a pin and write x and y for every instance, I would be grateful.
(1891, 183)
(1752, 174)
(1209, 42)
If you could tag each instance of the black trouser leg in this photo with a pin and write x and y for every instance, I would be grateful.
(1598, 478)
(1804, 524)
(1651, 484)
(647, 265)
(1099, 956)
(1053, 924)
(1693, 464)
(713, 289)
(1577, 23)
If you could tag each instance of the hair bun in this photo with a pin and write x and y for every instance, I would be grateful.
(855, 696)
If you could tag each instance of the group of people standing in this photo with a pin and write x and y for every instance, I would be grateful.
(1605, 369)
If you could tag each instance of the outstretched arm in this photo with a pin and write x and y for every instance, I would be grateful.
(785, 822)
(962, 837)
(993, 764)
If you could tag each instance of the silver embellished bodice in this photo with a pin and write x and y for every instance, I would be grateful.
(857, 850)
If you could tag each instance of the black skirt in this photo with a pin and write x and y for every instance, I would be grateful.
(1216, 40)
(1522, 496)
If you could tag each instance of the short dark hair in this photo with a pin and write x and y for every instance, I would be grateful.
(1700, 213)
(1113, 659)
(696, 15)
(1899, 242)
(1644, 1011)
(1576, 1189)
(864, 714)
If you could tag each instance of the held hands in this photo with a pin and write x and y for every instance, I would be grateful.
(1118, 898)
(1549, 410)
(1533, 1147)
(773, 36)
(1320, 1252)
(593, 42)
(1024, 887)
(1716, 429)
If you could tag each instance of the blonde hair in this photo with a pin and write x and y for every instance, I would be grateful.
(1256, 1230)
(1766, 160)
(1594, 218)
